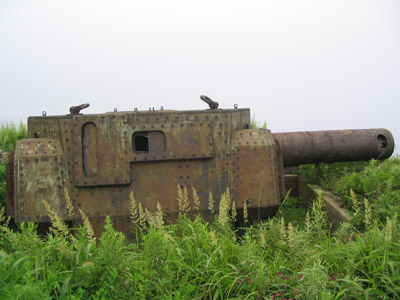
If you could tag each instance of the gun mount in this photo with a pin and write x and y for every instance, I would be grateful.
(100, 159)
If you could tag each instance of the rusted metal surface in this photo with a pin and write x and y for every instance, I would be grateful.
(101, 159)
(334, 146)
(254, 169)
(39, 169)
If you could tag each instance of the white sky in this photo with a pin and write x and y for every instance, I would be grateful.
(299, 65)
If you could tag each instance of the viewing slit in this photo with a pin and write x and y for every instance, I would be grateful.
(89, 150)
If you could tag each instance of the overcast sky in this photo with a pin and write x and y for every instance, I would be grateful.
(299, 65)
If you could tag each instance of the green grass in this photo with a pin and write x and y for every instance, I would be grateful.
(193, 259)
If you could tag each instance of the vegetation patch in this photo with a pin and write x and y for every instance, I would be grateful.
(373, 183)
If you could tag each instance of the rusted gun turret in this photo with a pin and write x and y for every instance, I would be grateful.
(98, 160)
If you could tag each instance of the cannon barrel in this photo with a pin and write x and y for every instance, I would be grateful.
(310, 147)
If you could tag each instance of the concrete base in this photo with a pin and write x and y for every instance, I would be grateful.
(308, 193)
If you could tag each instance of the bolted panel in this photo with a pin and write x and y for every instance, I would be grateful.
(102, 151)
(39, 166)
(254, 169)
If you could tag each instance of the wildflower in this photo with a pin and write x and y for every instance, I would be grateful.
(213, 237)
(196, 201)
(68, 201)
(210, 203)
(134, 210)
(234, 212)
(159, 215)
(88, 227)
(279, 274)
(142, 217)
(59, 226)
(333, 277)
(355, 203)
(263, 242)
(149, 217)
(367, 213)
(245, 212)
(167, 237)
(224, 207)
(183, 200)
